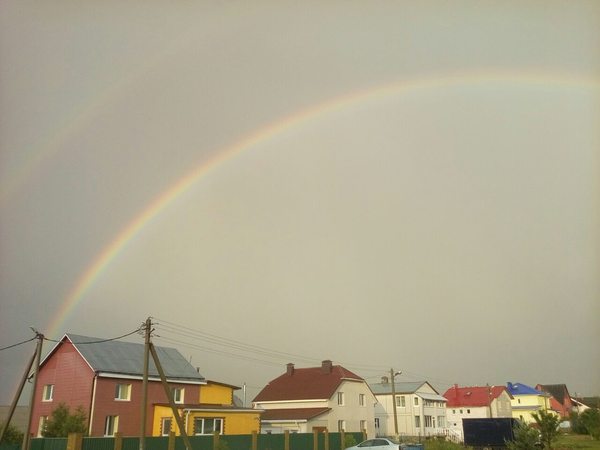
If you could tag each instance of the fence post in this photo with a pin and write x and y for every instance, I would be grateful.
(364, 434)
(215, 440)
(315, 440)
(326, 432)
(74, 441)
(171, 442)
(118, 440)
(342, 440)
(254, 440)
(286, 440)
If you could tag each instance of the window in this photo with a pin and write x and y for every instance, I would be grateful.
(461, 411)
(178, 395)
(165, 426)
(208, 425)
(363, 425)
(429, 403)
(428, 422)
(377, 422)
(468, 411)
(48, 393)
(401, 401)
(453, 411)
(361, 400)
(441, 421)
(340, 398)
(42, 426)
(341, 425)
(123, 392)
(417, 422)
(111, 425)
(416, 401)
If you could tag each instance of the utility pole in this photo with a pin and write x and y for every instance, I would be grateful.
(13, 406)
(36, 369)
(392, 376)
(147, 333)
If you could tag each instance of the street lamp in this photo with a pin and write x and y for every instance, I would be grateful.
(392, 376)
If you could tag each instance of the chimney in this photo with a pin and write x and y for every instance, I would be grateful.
(290, 369)
(385, 380)
(326, 366)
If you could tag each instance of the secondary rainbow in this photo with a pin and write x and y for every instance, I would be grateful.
(269, 131)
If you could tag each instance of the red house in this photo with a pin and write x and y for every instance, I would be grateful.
(560, 400)
(105, 379)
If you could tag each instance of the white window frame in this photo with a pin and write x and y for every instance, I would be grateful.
(41, 426)
(400, 401)
(178, 395)
(340, 398)
(416, 401)
(111, 425)
(163, 421)
(219, 420)
(341, 425)
(48, 393)
(123, 392)
(361, 400)
(363, 425)
(417, 421)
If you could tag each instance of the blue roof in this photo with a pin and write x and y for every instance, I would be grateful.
(127, 358)
(522, 389)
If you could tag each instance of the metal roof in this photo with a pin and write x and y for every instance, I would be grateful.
(127, 358)
(435, 397)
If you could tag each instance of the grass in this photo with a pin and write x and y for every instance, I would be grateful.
(576, 441)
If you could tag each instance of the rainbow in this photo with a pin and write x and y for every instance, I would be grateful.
(273, 129)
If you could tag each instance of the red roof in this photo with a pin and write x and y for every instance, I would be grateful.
(293, 413)
(306, 384)
(472, 395)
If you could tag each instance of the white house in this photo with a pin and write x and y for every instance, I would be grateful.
(420, 409)
(329, 397)
(474, 402)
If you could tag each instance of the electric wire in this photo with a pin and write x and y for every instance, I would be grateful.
(137, 330)
(183, 331)
(17, 344)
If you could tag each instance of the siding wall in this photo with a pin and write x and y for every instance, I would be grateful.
(72, 378)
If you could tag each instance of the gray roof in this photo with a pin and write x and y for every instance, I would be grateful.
(402, 387)
(127, 358)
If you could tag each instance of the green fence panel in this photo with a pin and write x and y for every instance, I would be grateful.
(132, 443)
(273, 442)
(198, 443)
(156, 443)
(10, 446)
(237, 441)
(299, 441)
(98, 443)
(49, 444)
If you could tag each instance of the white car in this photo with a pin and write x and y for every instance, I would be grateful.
(376, 444)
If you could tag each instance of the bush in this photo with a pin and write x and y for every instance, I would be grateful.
(526, 438)
(12, 435)
(62, 422)
(349, 441)
(591, 421)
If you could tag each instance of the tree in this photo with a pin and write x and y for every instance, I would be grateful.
(591, 421)
(548, 423)
(577, 425)
(526, 438)
(12, 435)
(62, 422)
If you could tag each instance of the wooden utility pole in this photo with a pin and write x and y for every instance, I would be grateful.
(392, 376)
(169, 394)
(147, 332)
(36, 369)
(13, 406)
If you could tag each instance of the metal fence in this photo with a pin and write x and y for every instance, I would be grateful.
(295, 441)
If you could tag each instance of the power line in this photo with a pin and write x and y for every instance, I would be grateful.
(20, 343)
(137, 330)
(183, 331)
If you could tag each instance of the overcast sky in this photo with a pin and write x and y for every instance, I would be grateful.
(385, 184)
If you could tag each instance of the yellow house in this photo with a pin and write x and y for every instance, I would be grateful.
(215, 411)
(526, 401)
